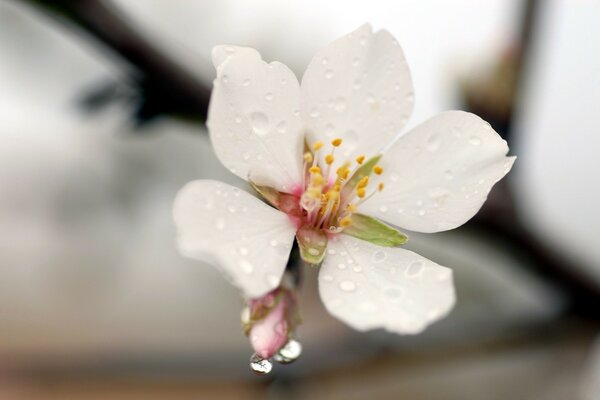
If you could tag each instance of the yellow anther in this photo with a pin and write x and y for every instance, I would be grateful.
(317, 146)
(363, 182)
(336, 142)
(318, 179)
(346, 221)
(346, 173)
(380, 186)
(329, 159)
(332, 195)
(314, 170)
(352, 207)
(337, 187)
(378, 169)
(361, 192)
(360, 159)
(308, 157)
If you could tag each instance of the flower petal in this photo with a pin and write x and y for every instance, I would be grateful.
(254, 119)
(439, 174)
(359, 89)
(225, 226)
(370, 287)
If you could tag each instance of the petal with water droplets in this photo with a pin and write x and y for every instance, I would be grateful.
(370, 287)
(254, 119)
(358, 88)
(439, 174)
(227, 227)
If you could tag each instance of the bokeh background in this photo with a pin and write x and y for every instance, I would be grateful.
(102, 106)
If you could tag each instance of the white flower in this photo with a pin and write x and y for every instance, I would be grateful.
(356, 94)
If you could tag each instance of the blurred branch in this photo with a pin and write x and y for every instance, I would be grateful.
(162, 86)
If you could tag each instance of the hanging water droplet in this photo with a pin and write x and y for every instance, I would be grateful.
(347, 286)
(259, 365)
(475, 140)
(328, 74)
(289, 353)
(260, 123)
(379, 256)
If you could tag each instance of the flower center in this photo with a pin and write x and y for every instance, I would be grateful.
(331, 197)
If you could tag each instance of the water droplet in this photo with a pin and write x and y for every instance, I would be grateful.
(314, 113)
(269, 96)
(260, 123)
(225, 78)
(421, 212)
(289, 353)
(246, 266)
(347, 286)
(357, 268)
(397, 87)
(246, 82)
(328, 74)
(231, 208)
(379, 256)
(272, 280)
(313, 252)
(487, 126)
(356, 84)
(341, 266)
(410, 97)
(355, 61)
(433, 143)
(414, 269)
(340, 104)
(324, 61)
(393, 294)
(260, 366)
(327, 278)
(444, 275)
(363, 40)
(220, 224)
(283, 81)
(281, 127)
(331, 251)
(243, 251)
(394, 177)
(383, 208)
(449, 175)
(367, 307)
(475, 140)
(273, 242)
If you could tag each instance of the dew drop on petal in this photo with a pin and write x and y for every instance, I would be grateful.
(246, 82)
(327, 278)
(393, 294)
(272, 280)
(246, 266)
(433, 143)
(379, 256)
(259, 365)
(313, 252)
(314, 113)
(341, 266)
(475, 140)
(260, 123)
(383, 208)
(328, 74)
(269, 96)
(347, 286)
(220, 224)
(414, 269)
(273, 242)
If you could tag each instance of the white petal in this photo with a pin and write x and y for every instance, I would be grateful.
(370, 287)
(439, 174)
(254, 118)
(227, 227)
(359, 89)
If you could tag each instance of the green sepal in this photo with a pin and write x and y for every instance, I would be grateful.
(268, 193)
(374, 231)
(364, 170)
(312, 243)
(282, 201)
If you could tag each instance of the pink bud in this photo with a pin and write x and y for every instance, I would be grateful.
(268, 335)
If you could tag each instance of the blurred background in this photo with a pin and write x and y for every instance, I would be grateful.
(102, 108)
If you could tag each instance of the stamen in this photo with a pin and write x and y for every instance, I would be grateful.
(329, 159)
(360, 159)
(317, 146)
(361, 192)
(378, 170)
(380, 186)
(336, 142)
(308, 158)
(314, 170)
(363, 182)
(345, 222)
